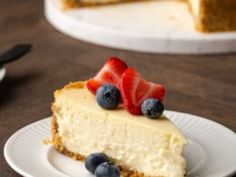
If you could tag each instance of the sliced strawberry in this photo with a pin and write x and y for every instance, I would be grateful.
(111, 73)
(134, 90)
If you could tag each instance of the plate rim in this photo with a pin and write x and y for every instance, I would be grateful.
(8, 144)
(18, 170)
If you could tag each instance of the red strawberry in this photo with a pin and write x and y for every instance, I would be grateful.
(111, 73)
(134, 90)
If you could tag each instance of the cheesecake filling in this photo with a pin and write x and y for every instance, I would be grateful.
(130, 144)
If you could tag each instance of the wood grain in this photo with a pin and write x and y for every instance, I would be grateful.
(201, 85)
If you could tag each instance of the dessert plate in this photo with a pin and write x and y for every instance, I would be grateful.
(2, 73)
(211, 151)
(148, 26)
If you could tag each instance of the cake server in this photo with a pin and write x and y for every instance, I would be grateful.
(14, 53)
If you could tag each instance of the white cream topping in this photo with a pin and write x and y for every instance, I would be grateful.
(86, 128)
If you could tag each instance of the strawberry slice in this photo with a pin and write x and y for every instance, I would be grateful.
(111, 73)
(134, 90)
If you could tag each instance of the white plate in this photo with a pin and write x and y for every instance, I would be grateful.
(149, 26)
(2, 73)
(211, 152)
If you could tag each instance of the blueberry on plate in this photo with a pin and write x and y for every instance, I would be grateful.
(107, 169)
(108, 96)
(152, 108)
(94, 160)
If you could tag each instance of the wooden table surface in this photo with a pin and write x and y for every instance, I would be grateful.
(201, 85)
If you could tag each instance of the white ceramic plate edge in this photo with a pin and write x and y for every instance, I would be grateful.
(22, 172)
(8, 155)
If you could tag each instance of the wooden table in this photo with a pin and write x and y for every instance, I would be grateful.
(201, 85)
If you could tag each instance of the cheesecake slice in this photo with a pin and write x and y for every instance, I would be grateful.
(141, 147)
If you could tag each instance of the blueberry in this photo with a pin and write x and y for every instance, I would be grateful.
(108, 96)
(95, 159)
(152, 108)
(107, 169)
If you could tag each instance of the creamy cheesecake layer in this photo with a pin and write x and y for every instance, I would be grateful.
(152, 147)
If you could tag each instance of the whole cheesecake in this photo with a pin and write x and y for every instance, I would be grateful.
(141, 147)
(208, 15)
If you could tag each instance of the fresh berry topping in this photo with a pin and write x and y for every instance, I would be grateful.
(111, 73)
(107, 169)
(108, 96)
(152, 108)
(94, 160)
(134, 90)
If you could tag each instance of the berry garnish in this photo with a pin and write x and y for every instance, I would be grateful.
(94, 160)
(108, 96)
(152, 108)
(111, 73)
(107, 169)
(134, 90)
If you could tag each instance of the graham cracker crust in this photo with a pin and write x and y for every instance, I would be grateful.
(68, 4)
(58, 145)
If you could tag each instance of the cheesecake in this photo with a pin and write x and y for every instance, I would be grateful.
(208, 15)
(120, 114)
(213, 15)
(140, 146)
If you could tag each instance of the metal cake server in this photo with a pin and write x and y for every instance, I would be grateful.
(14, 53)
